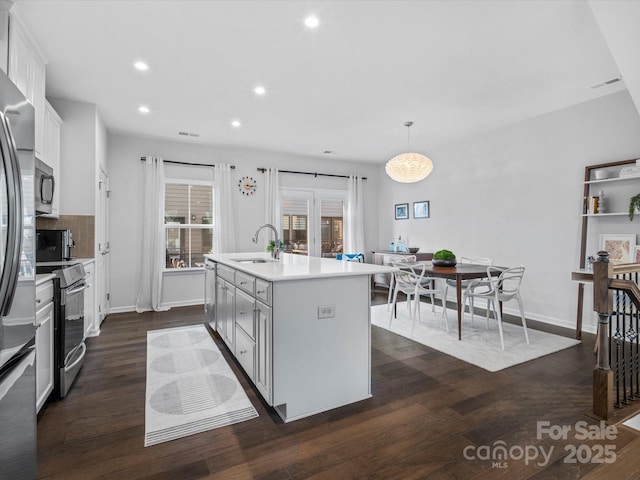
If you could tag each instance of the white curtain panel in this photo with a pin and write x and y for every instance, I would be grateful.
(272, 203)
(152, 253)
(354, 218)
(224, 232)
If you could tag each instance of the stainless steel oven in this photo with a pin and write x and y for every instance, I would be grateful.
(69, 347)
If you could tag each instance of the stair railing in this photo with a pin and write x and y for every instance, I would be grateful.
(616, 377)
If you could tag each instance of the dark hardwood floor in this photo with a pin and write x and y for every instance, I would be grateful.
(427, 409)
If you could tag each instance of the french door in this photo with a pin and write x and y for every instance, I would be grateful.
(312, 221)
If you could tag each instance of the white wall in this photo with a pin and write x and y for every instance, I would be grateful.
(515, 195)
(181, 288)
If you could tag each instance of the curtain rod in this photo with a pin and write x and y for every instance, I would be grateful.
(175, 162)
(315, 174)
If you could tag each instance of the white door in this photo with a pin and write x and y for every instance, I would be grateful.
(312, 221)
(102, 260)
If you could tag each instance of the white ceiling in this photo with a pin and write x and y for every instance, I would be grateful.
(454, 68)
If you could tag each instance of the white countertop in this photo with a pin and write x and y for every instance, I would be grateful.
(296, 267)
(73, 261)
(44, 277)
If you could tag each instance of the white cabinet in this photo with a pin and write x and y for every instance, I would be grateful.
(263, 350)
(210, 292)
(246, 352)
(244, 312)
(244, 321)
(4, 35)
(225, 310)
(51, 151)
(19, 55)
(44, 342)
(27, 71)
(91, 322)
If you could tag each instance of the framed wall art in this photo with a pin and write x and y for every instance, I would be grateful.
(402, 211)
(421, 209)
(621, 248)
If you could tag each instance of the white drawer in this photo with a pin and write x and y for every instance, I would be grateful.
(244, 313)
(227, 273)
(89, 268)
(263, 291)
(44, 294)
(246, 352)
(245, 281)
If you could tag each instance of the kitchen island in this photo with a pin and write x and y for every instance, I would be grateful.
(298, 326)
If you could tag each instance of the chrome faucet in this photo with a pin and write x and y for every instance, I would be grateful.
(275, 253)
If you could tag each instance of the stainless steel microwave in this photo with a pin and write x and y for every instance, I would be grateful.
(44, 187)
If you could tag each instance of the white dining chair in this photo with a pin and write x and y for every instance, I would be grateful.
(392, 260)
(427, 287)
(465, 283)
(503, 285)
(405, 280)
(410, 280)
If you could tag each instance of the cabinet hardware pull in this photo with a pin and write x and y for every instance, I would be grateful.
(38, 300)
(242, 352)
(242, 283)
(259, 292)
(241, 312)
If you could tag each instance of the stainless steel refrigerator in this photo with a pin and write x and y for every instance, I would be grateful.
(17, 286)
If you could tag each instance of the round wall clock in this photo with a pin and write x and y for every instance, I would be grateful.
(247, 186)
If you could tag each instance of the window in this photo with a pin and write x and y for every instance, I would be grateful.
(312, 221)
(188, 223)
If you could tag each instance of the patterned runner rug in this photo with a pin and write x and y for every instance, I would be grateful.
(479, 346)
(190, 386)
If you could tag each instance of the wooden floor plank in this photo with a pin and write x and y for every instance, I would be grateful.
(426, 409)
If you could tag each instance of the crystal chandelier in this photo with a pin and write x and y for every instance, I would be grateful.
(409, 167)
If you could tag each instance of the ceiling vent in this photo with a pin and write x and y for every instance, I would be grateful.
(608, 82)
(187, 134)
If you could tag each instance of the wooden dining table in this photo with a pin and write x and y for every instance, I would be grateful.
(459, 272)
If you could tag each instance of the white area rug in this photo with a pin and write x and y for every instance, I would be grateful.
(633, 422)
(479, 346)
(190, 386)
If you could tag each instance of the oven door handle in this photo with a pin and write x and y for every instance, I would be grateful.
(83, 346)
(73, 291)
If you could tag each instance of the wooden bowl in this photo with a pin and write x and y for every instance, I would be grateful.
(414, 249)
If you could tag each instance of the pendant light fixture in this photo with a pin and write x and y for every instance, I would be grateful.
(409, 167)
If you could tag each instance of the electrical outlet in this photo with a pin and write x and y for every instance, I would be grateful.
(327, 311)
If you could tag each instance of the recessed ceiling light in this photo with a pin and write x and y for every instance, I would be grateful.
(259, 90)
(141, 66)
(143, 109)
(311, 21)
(235, 123)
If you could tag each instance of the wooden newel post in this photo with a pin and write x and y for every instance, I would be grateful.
(602, 305)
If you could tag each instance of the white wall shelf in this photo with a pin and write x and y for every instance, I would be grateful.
(613, 214)
(617, 191)
(608, 180)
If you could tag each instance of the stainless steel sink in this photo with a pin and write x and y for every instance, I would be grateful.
(251, 260)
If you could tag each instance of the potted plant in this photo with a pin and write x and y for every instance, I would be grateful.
(444, 258)
(272, 245)
(634, 206)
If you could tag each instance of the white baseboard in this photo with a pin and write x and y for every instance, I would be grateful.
(559, 322)
(183, 303)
